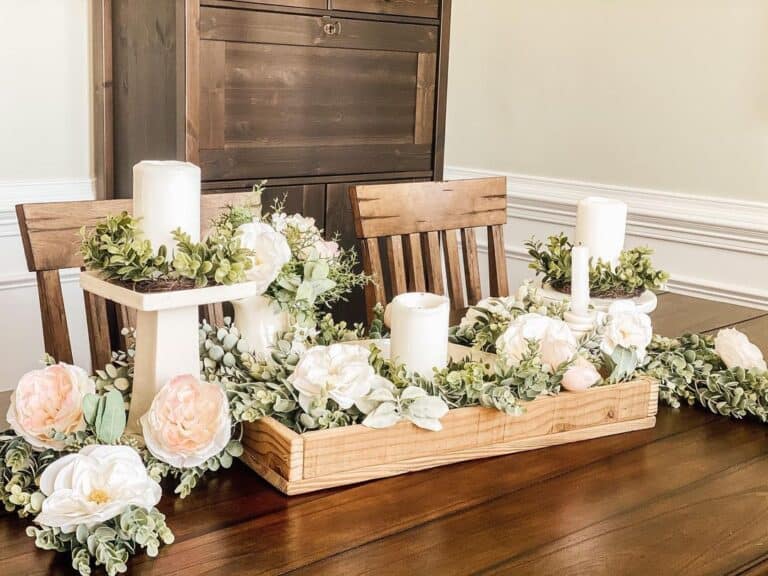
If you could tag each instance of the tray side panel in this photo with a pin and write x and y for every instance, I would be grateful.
(273, 451)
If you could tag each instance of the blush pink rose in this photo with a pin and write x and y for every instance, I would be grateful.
(188, 422)
(580, 376)
(47, 401)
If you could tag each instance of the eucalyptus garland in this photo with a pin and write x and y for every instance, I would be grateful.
(633, 273)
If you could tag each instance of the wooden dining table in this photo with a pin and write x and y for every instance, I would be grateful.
(689, 496)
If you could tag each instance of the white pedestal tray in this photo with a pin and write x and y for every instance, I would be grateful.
(166, 333)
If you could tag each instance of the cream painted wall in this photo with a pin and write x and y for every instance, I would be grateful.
(45, 154)
(670, 95)
(45, 100)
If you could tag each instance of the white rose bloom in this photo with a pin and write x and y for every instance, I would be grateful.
(339, 371)
(627, 327)
(271, 252)
(737, 351)
(93, 486)
(557, 344)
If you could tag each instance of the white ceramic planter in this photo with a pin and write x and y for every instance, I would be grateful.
(259, 322)
(646, 302)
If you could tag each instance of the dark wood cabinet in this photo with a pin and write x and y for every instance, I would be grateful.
(312, 95)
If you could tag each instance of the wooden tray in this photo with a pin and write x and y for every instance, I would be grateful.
(298, 463)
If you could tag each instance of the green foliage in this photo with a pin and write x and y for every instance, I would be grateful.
(109, 544)
(633, 274)
(105, 414)
(220, 259)
(486, 321)
(114, 248)
(690, 371)
(20, 466)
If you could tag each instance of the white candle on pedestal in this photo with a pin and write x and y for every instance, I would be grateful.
(580, 280)
(420, 331)
(166, 196)
(601, 226)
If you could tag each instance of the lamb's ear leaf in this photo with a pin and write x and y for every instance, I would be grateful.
(90, 405)
(111, 425)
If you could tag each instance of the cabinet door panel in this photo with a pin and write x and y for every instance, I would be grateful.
(280, 98)
(422, 8)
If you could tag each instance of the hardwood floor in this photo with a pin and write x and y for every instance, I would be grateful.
(686, 497)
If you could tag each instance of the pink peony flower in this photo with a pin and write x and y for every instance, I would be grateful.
(49, 400)
(580, 376)
(188, 422)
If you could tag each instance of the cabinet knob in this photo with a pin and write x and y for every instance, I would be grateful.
(332, 28)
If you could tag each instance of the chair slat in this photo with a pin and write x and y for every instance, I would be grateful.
(497, 262)
(433, 262)
(453, 268)
(213, 314)
(396, 262)
(415, 263)
(55, 332)
(374, 291)
(98, 330)
(471, 265)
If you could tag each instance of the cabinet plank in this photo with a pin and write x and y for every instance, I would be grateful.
(300, 30)
(420, 8)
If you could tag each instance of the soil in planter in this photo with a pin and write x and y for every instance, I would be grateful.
(163, 285)
(612, 293)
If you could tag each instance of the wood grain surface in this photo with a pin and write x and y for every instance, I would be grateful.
(685, 497)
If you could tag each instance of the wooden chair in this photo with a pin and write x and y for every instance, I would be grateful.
(49, 232)
(413, 220)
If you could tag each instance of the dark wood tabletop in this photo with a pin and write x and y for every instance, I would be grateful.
(689, 496)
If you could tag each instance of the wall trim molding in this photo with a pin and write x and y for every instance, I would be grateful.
(14, 192)
(19, 280)
(734, 225)
(708, 223)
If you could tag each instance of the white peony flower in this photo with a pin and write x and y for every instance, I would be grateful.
(188, 422)
(49, 400)
(557, 344)
(340, 372)
(736, 351)
(271, 252)
(627, 327)
(580, 376)
(93, 486)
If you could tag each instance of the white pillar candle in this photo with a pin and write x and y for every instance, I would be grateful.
(600, 226)
(420, 331)
(580, 280)
(166, 196)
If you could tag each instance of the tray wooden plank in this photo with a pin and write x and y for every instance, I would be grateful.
(298, 463)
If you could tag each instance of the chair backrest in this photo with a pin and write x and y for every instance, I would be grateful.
(413, 220)
(50, 233)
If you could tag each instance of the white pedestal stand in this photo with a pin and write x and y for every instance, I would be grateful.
(580, 324)
(167, 342)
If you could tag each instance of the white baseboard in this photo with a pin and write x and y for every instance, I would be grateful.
(714, 248)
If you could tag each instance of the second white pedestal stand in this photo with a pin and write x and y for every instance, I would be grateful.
(167, 342)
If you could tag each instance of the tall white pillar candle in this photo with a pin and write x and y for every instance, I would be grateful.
(601, 225)
(580, 279)
(419, 336)
(166, 196)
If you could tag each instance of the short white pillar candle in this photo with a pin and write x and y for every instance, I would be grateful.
(420, 331)
(601, 225)
(580, 279)
(166, 196)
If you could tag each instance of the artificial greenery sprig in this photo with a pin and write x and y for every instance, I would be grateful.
(633, 273)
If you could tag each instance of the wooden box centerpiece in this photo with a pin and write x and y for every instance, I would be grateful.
(299, 463)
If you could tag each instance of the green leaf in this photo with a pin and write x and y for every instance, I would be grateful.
(90, 406)
(111, 424)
